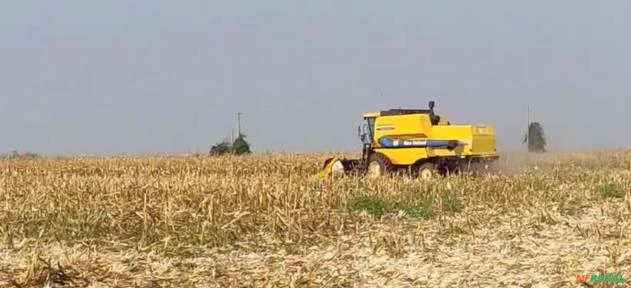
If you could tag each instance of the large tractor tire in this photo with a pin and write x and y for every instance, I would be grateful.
(427, 170)
(379, 165)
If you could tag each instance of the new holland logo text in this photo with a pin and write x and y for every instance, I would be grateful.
(409, 142)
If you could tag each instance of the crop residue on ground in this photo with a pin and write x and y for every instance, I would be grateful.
(263, 221)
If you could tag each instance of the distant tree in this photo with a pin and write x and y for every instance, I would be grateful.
(220, 149)
(17, 155)
(535, 138)
(241, 146)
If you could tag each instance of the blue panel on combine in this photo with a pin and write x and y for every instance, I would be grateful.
(386, 142)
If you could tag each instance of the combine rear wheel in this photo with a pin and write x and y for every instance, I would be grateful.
(378, 165)
(427, 170)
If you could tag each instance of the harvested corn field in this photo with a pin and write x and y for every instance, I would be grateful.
(264, 221)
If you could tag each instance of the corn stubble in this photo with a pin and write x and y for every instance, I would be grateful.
(263, 221)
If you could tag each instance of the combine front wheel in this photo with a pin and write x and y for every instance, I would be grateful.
(378, 165)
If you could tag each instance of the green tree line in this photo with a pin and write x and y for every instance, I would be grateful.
(238, 147)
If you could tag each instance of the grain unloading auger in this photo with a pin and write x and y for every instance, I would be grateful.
(418, 142)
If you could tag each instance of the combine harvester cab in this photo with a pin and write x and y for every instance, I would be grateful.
(417, 142)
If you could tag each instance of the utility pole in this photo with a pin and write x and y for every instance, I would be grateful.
(528, 115)
(527, 137)
(528, 126)
(239, 124)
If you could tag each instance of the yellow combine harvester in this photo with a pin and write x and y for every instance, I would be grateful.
(416, 141)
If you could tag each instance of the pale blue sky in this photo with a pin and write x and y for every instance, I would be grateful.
(169, 76)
